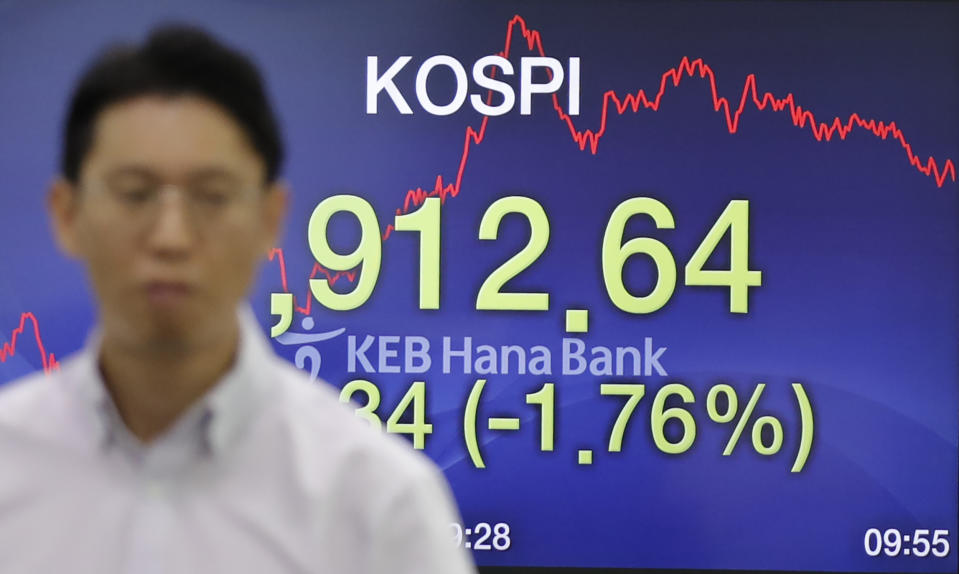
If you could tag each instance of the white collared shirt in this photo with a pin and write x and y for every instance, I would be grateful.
(268, 473)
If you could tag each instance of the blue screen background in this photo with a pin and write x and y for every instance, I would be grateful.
(859, 253)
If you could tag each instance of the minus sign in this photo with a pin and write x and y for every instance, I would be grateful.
(496, 423)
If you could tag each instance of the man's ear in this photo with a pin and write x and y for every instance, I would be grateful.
(62, 205)
(275, 206)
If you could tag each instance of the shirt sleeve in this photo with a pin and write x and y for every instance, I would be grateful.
(414, 535)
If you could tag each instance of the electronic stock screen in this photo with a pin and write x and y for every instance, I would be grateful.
(658, 285)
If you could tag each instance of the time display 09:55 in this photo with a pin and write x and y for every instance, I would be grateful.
(892, 542)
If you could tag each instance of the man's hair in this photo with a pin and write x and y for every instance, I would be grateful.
(176, 59)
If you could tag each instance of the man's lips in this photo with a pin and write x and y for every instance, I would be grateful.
(167, 292)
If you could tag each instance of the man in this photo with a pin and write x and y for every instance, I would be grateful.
(176, 441)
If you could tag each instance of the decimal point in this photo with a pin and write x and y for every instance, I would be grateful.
(585, 457)
(577, 320)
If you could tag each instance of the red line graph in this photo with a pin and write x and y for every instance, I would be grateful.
(586, 138)
(589, 140)
(9, 349)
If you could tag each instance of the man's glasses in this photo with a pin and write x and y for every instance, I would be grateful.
(204, 204)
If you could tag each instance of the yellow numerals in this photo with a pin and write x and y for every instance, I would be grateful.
(415, 397)
(362, 265)
(615, 254)
(367, 254)
(426, 221)
(738, 278)
(490, 297)
(659, 416)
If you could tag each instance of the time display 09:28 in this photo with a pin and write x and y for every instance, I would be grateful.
(614, 254)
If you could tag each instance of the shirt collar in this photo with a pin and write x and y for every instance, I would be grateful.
(227, 408)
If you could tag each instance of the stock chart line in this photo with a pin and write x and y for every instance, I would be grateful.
(9, 349)
(277, 254)
(588, 140)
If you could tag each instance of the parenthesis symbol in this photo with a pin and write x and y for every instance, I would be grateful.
(469, 423)
(808, 425)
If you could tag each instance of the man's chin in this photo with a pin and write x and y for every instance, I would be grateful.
(168, 330)
(180, 327)
(172, 337)
(183, 329)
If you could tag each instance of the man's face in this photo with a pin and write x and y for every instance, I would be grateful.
(171, 219)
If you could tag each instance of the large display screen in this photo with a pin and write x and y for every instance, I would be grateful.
(659, 285)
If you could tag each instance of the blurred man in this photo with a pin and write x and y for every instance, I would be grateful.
(176, 441)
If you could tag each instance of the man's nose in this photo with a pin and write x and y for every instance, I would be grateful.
(172, 233)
